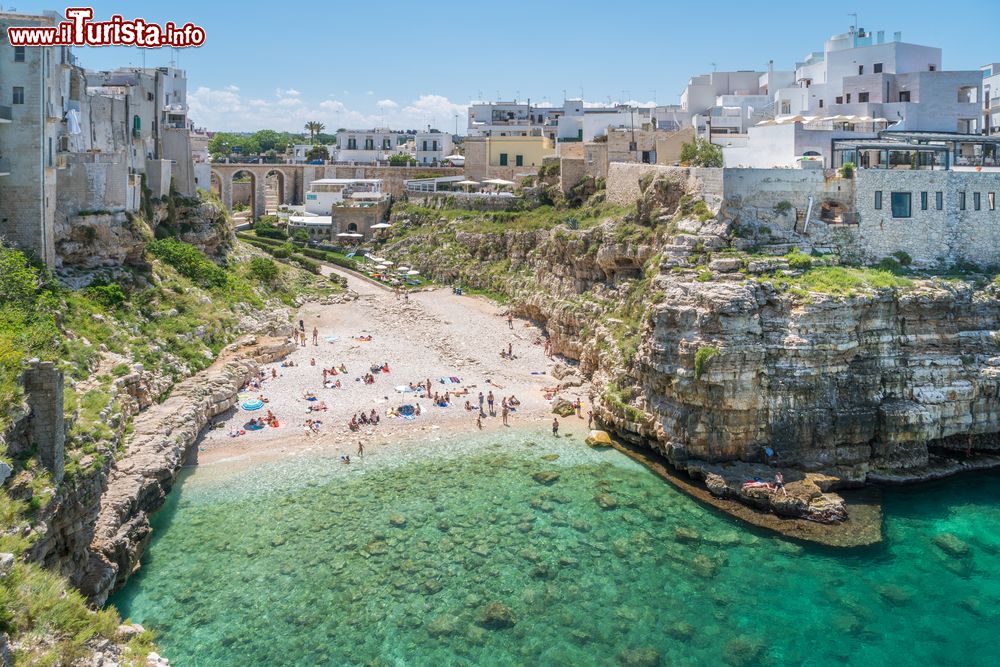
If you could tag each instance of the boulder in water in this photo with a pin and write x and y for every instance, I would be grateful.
(598, 439)
(497, 616)
(951, 544)
(563, 408)
(685, 534)
(545, 477)
(606, 501)
(397, 520)
(646, 656)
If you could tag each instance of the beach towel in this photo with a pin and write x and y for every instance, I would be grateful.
(406, 410)
(331, 339)
(450, 380)
(404, 389)
(254, 427)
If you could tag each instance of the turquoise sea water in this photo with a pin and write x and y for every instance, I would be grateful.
(456, 555)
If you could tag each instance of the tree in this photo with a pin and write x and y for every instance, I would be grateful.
(314, 127)
(701, 153)
(301, 235)
(270, 140)
(401, 160)
(317, 153)
(223, 144)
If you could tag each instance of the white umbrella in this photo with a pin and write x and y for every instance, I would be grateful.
(453, 157)
(387, 262)
(382, 266)
(353, 235)
(344, 234)
(498, 181)
(381, 225)
(403, 268)
(413, 273)
(467, 182)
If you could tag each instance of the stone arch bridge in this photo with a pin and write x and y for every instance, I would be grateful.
(293, 180)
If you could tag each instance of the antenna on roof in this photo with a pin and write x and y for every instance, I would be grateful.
(713, 66)
(855, 15)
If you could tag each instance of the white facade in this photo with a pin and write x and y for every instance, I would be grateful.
(298, 153)
(325, 193)
(368, 146)
(430, 147)
(512, 119)
(991, 98)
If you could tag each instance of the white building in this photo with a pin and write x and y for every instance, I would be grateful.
(324, 193)
(298, 153)
(368, 146)
(578, 122)
(991, 98)
(431, 146)
(512, 119)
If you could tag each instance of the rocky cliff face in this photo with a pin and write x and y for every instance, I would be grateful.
(879, 383)
(100, 239)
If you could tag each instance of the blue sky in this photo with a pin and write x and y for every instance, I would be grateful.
(409, 64)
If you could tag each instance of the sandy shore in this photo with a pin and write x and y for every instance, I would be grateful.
(431, 335)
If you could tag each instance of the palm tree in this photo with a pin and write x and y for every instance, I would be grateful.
(314, 127)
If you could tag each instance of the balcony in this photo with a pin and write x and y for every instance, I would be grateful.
(6, 114)
(4, 166)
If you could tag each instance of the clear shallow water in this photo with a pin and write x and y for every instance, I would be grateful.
(299, 563)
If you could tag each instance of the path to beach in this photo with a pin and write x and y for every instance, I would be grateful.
(431, 335)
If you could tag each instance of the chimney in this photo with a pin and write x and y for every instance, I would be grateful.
(880, 37)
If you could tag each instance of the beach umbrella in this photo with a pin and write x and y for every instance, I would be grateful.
(403, 268)
(498, 181)
(344, 234)
(381, 267)
(467, 182)
(381, 225)
(387, 262)
(353, 235)
(413, 272)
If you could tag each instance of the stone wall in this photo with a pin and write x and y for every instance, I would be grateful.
(623, 181)
(43, 386)
(930, 236)
(571, 171)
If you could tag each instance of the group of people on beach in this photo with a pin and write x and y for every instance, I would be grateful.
(371, 419)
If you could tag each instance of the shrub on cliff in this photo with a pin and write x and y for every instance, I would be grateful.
(701, 153)
(189, 262)
(262, 270)
(701, 358)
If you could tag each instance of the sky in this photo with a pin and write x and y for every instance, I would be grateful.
(408, 64)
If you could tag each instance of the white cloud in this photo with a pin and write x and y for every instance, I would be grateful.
(225, 109)
(370, 92)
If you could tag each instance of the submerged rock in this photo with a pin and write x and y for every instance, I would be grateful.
(397, 520)
(497, 616)
(549, 457)
(685, 534)
(951, 544)
(545, 477)
(646, 656)
(606, 501)
(744, 650)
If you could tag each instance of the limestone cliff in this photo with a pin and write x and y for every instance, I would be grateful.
(710, 354)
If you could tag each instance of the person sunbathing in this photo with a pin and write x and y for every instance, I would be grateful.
(385, 367)
(513, 401)
(270, 416)
(262, 398)
(337, 384)
(343, 368)
(373, 418)
(310, 396)
(468, 406)
(364, 419)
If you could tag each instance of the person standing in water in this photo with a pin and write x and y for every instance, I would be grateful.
(361, 448)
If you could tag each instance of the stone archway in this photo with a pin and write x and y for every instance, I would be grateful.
(274, 189)
(246, 190)
(215, 184)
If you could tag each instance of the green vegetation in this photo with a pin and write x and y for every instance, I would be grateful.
(402, 160)
(798, 260)
(847, 170)
(845, 281)
(782, 207)
(266, 229)
(189, 262)
(701, 357)
(701, 153)
(263, 270)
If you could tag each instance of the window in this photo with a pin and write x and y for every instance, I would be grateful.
(518, 160)
(877, 68)
(878, 200)
(352, 144)
(786, 106)
(434, 145)
(977, 202)
(932, 68)
(503, 159)
(904, 96)
(18, 95)
(425, 145)
(923, 201)
(862, 97)
(839, 100)
(19, 54)
(991, 200)
(50, 151)
(961, 201)
(901, 202)
(821, 104)
(939, 200)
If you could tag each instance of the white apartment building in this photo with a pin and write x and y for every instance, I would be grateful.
(325, 193)
(991, 98)
(512, 119)
(429, 147)
(578, 122)
(368, 146)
